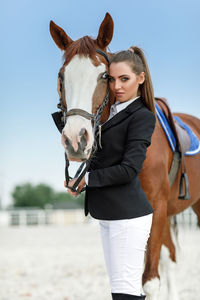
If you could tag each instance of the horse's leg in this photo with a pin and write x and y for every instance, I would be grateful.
(167, 266)
(151, 278)
(196, 209)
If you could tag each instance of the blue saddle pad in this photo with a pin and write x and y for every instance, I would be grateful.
(194, 141)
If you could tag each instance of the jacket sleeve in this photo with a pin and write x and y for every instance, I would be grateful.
(138, 139)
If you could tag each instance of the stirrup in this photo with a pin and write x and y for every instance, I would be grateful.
(183, 196)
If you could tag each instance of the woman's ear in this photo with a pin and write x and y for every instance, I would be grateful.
(141, 78)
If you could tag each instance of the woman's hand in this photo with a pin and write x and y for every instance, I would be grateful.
(71, 183)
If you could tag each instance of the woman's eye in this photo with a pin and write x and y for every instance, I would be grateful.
(125, 78)
(105, 75)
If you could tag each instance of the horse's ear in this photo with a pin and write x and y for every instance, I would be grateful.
(59, 36)
(105, 32)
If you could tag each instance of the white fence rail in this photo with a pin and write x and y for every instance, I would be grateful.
(187, 218)
(26, 217)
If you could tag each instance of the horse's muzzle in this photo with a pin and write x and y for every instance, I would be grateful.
(76, 149)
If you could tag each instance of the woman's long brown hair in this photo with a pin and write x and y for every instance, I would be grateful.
(136, 59)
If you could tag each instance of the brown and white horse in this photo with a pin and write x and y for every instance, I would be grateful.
(85, 87)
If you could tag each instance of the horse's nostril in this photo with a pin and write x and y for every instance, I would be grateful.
(67, 143)
(82, 131)
(83, 138)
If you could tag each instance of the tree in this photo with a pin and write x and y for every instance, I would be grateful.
(28, 195)
(40, 195)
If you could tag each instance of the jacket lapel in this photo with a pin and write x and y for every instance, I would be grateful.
(123, 114)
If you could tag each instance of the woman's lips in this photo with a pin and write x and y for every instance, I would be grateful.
(119, 94)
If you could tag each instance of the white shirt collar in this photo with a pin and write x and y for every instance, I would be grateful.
(121, 105)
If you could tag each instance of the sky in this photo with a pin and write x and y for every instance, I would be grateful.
(31, 151)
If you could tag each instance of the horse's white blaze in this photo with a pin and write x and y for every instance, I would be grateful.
(80, 77)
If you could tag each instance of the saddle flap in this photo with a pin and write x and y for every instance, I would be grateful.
(184, 138)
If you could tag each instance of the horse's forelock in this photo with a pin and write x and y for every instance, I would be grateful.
(84, 46)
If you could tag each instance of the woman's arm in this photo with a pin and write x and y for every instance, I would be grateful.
(138, 139)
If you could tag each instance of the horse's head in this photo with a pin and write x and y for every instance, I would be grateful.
(82, 85)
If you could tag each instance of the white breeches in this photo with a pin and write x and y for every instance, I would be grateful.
(124, 244)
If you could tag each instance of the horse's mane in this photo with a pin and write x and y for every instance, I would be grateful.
(84, 46)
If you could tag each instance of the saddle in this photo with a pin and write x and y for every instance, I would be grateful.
(183, 144)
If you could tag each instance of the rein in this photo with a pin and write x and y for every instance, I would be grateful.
(97, 130)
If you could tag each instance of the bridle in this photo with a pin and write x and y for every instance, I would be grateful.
(96, 118)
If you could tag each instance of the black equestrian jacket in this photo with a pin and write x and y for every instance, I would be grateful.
(113, 191)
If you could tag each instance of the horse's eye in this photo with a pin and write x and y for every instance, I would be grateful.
(105, 75)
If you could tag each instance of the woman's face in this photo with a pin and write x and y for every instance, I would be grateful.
(123, 82)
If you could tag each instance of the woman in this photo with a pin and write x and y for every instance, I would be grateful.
(113, 193)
